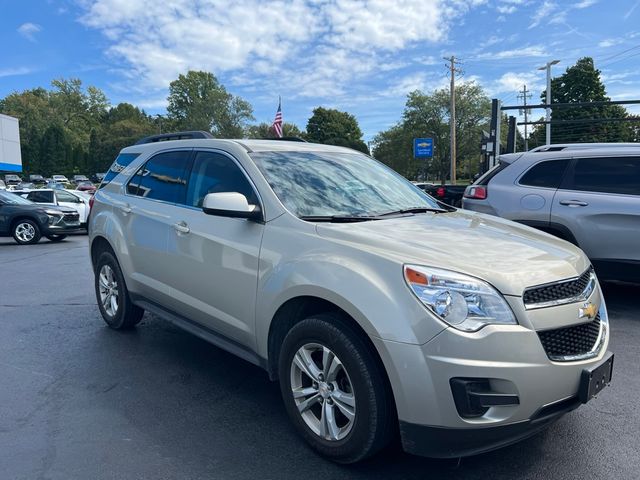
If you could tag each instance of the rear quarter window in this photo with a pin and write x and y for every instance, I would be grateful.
(547, 174)
(121, 162)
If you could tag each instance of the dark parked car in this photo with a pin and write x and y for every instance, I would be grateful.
(97, 177)
(79, 178)
(27, 222)
(37, 179)
(449, 194)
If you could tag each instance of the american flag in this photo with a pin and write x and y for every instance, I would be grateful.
(277, 122)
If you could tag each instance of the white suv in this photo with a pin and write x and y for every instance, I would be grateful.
(377, 308)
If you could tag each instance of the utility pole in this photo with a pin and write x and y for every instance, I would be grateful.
(525, 96)
(547, 67)
(452, 119)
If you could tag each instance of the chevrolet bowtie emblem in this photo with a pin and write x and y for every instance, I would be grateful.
(588, 310)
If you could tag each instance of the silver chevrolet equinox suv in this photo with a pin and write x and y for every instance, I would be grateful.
(381, 312)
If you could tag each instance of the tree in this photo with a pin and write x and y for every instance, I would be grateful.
(333, 127)
(427, 115)
(582, 83)
(264, 130)
(197, 101)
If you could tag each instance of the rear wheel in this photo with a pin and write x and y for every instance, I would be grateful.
(333, 389)
(56, 237)
(26, 232)
(113, 297)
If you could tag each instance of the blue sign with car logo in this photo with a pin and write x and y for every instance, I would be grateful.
(423, 147)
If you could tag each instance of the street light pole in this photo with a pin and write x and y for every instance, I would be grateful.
(547, 67)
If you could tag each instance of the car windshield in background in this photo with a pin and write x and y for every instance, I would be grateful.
(13, 199)
(325, 184)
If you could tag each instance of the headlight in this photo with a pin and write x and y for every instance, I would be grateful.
(464, 302)
(54, 216)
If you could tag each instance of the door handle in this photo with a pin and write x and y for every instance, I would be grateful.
(126, 209)
(573, 203)
(181, 227)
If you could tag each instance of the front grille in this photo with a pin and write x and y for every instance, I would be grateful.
(71, 217)
(559, 291)
(570, 341)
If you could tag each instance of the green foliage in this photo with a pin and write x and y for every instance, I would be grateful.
(197, 101)
(582, 83)
(263, 131)
(427, 115)
(334, 127)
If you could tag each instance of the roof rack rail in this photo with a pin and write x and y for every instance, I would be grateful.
(166, 137)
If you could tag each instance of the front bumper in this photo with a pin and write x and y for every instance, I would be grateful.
(510, 359)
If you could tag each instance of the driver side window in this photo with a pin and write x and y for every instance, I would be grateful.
(213, 172)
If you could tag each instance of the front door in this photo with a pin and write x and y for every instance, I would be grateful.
(213, 260)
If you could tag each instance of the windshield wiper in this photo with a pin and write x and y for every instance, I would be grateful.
(338, 218)
(414, 210)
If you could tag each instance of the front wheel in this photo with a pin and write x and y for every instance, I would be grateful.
(333, 389)
(113, 297)
(56, 237)
(26, 232)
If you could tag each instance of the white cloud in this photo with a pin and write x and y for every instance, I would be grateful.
(316, 45)
(12, 72)
(513, 82)
(585, 3)
(545, 10)
(506, 9)
(529, 51)
(28, 30)
(610, 42)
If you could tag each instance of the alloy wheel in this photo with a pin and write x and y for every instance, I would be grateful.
(25, 232)
(323, 392)
(108, 286)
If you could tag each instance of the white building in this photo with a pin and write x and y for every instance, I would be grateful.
(10, 155)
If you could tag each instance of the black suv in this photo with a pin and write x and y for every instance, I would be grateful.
(27, 222)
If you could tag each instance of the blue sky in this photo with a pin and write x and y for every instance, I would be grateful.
(360, 56)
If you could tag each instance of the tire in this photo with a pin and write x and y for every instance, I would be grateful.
(26, 232)
(112, 295)
(56, 237)
(355, 388)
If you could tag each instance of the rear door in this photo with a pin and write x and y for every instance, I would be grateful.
(42, 196)
(145, 216)
(600, 203)
(534, 197)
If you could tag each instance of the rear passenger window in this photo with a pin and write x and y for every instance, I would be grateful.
(213, 172)
(41, 196)
(161, 178)
(545, 174)
(608, 175)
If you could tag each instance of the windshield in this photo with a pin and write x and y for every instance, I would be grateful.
(336, 183)
(13, 199)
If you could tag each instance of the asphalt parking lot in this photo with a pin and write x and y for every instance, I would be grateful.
(80, 401)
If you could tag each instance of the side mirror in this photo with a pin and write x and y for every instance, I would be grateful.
(230, 204)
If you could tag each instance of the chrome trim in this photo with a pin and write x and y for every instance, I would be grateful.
(586, 293)
(597, 346)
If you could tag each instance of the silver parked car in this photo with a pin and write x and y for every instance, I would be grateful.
(589, 196)
(376, 308)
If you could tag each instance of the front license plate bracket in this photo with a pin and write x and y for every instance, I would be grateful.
(595, 378)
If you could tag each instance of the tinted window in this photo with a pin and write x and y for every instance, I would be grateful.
(41, 196)
(67, 197)
(212, 173)
(545, 174)
(610, 175)
(161, 178)
(120, 163)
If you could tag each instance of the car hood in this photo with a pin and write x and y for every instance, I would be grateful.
(508, 255)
